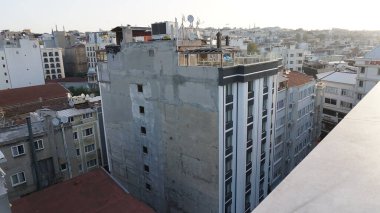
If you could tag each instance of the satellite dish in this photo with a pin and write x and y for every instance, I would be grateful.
(64, 119)
(190, 18)
(71, 103)
(55, 121)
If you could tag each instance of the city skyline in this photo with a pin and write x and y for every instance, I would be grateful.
(43, 16)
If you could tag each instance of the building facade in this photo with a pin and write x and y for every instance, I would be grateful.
(60, 144)
(296, 127)
(20, 63)
(339, 97)
(188, 137)
(52, 63)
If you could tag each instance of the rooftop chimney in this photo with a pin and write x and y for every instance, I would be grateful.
(218, 40)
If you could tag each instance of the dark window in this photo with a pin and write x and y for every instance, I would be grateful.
(228, 89)
(143, 130)
(54, 77)
(56, 59)
(139, 88)
(78, 152)
(250, 86)
(5, 74)
(250, 110)
(58, 65)
(50, 54)
(51, 60)
(58, 70)
(44, 54)
(228, 141)
(6, 81)
(361, 83)
(146, 168)
(362, 70)
(47, 71)
(46, 65)
(148, 187)
(46, 60)
(228, 115)
(145, 150)
(249, 156)
(142, 110)
(51, 65)
(56, 54)
(59, 76)
(3, 65)
(228, 164)
(151, 52)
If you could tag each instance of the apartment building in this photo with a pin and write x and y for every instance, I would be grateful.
(20, 63)
(293, 56)
(52, 63)
(368, 74)
(188, 130)
(96, 41)
(296, 127)
(339, 97)
(57, 144)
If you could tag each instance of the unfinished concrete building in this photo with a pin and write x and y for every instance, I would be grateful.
(189, 127)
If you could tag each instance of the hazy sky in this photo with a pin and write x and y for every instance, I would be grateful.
(92, 15)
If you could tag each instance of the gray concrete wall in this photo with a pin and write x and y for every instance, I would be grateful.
(181, 122)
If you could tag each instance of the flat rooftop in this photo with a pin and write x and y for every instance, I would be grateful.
(342, 174)
(92, 192)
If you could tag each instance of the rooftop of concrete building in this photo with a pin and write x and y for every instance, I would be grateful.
(19, 96)
(297, 78)
(93, 192)
(342, 174)
(344, 77)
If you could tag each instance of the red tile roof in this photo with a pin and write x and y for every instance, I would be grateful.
(25, 95)
(93, 192)
(297, 78)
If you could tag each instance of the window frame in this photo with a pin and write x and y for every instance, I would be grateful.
(18, 154)
(18, 178)
(38, 148)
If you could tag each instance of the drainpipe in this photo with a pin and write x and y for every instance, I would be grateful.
(35, 167)
(66, 151)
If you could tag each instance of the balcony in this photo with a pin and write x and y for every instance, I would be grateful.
(249, 143)
(250, 95)
(229, 150)
(248, 187)
(228, 174)
(341, 173)
(248, 166)
(265, 90)
(229, 99)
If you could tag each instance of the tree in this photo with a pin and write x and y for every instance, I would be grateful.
(252, 49)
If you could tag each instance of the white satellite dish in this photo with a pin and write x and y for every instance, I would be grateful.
(71, 103)
(64, 119)
(55, 121)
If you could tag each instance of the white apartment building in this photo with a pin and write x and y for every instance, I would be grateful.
(97, 41)
(52, 63)
(20, 64)
(368, 74)
(339, 97)
(296, 129)
(293, 56)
